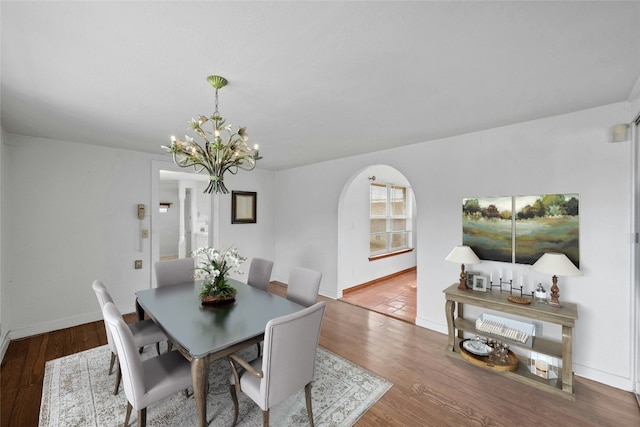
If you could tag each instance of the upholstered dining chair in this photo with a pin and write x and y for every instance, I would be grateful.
(287, 364)
(174, 271)
(259, 278)
(145, 381)
(260, 273)
(303, 286)
(144, 332)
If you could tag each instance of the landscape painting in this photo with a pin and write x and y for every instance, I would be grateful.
(487, 227)
(547, 223)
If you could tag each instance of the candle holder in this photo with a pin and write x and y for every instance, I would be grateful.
(503, 282)
(491, 285)
(514, 288)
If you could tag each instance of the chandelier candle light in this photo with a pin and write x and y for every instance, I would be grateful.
(218, 155)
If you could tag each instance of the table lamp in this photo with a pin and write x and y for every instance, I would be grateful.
(463, 255)
(559, 265)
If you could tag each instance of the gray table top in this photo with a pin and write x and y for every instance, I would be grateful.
(204, 329)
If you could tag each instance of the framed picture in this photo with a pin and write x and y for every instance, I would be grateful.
(243, 207)
(480, 283)
(470, 276)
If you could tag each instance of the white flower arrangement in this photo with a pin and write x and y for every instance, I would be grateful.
(213, 271)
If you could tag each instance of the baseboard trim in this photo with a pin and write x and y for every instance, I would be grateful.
(375, 281)
(6, 340)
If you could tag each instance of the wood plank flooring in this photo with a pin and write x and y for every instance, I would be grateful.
(429, 388)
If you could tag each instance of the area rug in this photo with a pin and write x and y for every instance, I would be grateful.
(77, 391)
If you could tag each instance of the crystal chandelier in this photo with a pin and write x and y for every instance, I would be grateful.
(223, 150)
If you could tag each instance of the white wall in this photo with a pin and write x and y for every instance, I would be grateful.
(3, 329)
(70, 216)
(252, 240)
(562, 154)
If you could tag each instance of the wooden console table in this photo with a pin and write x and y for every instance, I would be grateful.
(496, 300)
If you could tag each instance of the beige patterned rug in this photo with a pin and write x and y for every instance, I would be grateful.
(77, 391)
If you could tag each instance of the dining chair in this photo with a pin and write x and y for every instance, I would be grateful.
(260, 273)
(287, 364)
(303, 286)
(259, 278)
(145, 381)
(144, 332)
(174, 271)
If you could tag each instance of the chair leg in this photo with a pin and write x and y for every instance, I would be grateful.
(118, 378)
(126, 418)
(234, 397)
(113, 359)
(142, 417)
(258, 345)
(265, 418)
(307, 394)
(158, 347)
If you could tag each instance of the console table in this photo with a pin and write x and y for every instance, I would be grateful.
(497, 300)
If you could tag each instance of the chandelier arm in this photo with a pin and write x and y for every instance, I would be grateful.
(253, 166)
(197, 166)
(190, 161)
(231, 171)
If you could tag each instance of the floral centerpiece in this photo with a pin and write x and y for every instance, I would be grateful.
(212, 268)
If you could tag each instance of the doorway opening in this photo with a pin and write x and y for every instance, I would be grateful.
(181, 213)
(386, 284)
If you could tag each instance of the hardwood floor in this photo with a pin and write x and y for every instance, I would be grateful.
(429, 388)
(393, 296)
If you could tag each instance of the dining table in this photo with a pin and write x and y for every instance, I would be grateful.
(203, 333)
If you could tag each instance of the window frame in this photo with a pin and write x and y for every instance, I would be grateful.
(389, 218)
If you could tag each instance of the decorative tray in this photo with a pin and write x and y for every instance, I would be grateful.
(510, 363)
(519, 300)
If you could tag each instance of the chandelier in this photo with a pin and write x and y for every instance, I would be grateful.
(221, 151)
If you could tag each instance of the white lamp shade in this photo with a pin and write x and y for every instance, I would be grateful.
(557, 264)
(463, 255)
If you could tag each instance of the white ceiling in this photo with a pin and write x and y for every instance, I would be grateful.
(312, 81)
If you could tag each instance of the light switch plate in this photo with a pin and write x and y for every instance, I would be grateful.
(137, 264)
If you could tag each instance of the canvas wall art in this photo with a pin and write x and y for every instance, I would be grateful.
(521, 229)
(487, 227)
(547, 223)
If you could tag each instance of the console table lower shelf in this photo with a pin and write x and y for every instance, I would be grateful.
(521, 373)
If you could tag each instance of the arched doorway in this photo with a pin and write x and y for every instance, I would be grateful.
(355, 269)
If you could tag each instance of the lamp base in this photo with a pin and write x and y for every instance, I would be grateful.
(554, 301)
(463, 279)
